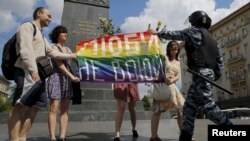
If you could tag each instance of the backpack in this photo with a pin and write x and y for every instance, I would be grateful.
(10, 56)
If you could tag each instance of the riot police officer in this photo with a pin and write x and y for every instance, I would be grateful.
(203, 57)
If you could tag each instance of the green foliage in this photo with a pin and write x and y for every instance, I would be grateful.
(146, 103)
(107, 27)
(11, 88)
(5, 105)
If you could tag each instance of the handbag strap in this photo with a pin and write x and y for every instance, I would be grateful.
(44, 43)
(64, 61)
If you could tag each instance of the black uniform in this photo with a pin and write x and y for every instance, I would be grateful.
(203, 56)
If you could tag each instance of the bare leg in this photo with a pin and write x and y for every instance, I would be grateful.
(119, 116)
(22, 139)
(64, 118)
(52, 117)
(14, 122)
(27, 121)
(179, 118)
(154, 124)
(132, 112)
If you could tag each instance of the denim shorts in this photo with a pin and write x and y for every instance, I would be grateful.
(19, 77)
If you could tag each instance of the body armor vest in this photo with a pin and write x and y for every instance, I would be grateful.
(204, 56)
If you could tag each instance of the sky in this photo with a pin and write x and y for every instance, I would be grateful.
(130, 15)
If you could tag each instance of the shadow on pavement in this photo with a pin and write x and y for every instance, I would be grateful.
(84, 136)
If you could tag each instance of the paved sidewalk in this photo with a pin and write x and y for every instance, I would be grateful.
(104, 131)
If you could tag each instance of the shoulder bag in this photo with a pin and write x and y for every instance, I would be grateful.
(44, 65)
(161, 92)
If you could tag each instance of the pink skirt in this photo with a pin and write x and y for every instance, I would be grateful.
(126, 92)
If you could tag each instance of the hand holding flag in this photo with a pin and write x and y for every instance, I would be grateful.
(158, 25)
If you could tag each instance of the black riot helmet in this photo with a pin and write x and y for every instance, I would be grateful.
(200, 19)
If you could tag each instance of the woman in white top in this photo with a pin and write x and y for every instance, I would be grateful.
(176, 99)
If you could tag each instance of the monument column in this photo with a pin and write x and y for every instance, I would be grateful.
(81, 17)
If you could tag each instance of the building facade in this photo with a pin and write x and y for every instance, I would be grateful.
(233, 35)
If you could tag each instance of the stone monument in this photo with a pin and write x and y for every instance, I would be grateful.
(81, 17)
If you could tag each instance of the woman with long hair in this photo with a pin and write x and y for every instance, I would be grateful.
(176, 99)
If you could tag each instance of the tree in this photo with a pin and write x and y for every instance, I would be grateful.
(146, 103)
(4, 105)
(107, 27)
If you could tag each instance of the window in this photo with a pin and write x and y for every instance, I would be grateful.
(245, 46)
(229, 39)
(236, 35)
(241, 73)
(230, 54)
(236, 92)
(226, 73)
(222, 43)
(233, 75)
(244, 32)
(244, 91)
(238, 51)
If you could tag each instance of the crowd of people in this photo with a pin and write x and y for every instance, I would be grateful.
(57, 87)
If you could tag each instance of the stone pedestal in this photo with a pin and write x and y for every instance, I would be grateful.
(98, 105)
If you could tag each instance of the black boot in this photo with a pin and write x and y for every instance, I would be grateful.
(135, 134)
(116, 139)
(184, 136)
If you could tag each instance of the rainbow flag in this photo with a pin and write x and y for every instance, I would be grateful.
(132, 57)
